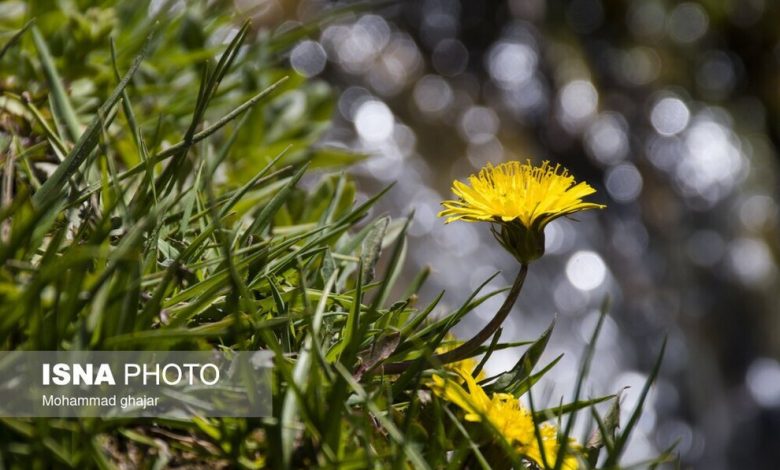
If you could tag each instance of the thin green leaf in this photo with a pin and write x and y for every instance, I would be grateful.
(88, 140)
(512, 381)
(15, 38)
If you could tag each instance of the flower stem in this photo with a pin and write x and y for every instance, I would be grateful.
(467, 349)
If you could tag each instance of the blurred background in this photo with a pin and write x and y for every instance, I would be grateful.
(668, 108)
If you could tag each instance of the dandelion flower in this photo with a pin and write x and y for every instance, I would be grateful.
(550, 443)
(521, 199)
(502, 410)
(511, 191)
(507, 417)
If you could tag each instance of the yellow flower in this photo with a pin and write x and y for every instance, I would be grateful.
(534, 196)
(502, 411)
(549, 434)
(522, 199)
(505, 414)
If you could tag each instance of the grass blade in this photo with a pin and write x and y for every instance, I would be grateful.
(52, 187)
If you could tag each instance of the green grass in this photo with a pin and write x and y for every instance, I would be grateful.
(152, 200)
